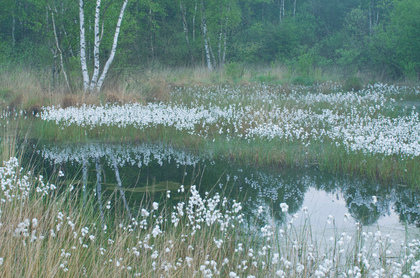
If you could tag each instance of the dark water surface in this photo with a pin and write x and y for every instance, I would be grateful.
(137, 172)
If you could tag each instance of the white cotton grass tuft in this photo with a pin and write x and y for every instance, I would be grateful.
(284, 207)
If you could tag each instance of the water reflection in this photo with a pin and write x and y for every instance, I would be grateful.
(153, 171)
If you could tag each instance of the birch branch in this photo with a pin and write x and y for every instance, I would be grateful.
(59, 49)
(114, 47)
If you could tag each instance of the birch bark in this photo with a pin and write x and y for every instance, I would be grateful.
(184, 23)
(281, 10)
(96, 45)
(220, 46)
(224, 40)
(206, 43)
(193, 21)
(13, 31)
(114, 47)
(59, 50)
(94, 84)
(85, 73)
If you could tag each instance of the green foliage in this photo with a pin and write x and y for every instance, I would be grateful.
(397, 41)
(303, 80)
(266, 78)
(234, 70)
(354, 35)
(353, 83)
(305, 63)
(406, 24)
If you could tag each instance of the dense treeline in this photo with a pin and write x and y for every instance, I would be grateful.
(374, 35)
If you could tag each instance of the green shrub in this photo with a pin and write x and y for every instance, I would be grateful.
(303, 80)
(353, 83)
(234, 70)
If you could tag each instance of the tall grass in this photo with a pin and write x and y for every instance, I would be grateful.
(30, 88)
(47, 230)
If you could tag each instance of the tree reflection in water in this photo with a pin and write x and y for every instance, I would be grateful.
(151, 170)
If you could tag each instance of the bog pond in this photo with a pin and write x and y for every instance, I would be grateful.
(158, 172)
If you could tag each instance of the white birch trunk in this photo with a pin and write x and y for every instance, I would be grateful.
(224, 40)
(220, 47)
(294, 8)
(282, 7)
(193, 21)
(13, 31)
(85, 73)
(152, 50)
(59, 51)
(184, 23)
(206, 43)
(114, 47)
(96, 45)
(370, 21)
(212, 54)
(280, 10)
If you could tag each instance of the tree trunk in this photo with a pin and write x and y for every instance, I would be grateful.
(193, 21)
(184, 23)
(206, 43)
(220, 45)
(59, 51)
(282, 2)
(96, 45)
(85, 73)
(114, 47)
(13, 31)
(95, 84)
(280, 10)
(225, 40)
(152, 49)
(212, 55)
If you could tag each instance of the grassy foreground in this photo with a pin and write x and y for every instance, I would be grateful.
(47, 230)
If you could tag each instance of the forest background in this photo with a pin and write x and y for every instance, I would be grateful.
(354, 36)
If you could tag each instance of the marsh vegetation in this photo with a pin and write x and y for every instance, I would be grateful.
(210, 180)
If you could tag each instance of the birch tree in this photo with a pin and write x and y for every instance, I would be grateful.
(224, 15)
(96, 81)
(58, 48)
(205, 36)
(186, 31)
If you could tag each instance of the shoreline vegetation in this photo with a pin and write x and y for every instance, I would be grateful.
(347, 126)
(261, 121)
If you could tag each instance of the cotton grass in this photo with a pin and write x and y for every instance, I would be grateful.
(358, 121)
(52, 234)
